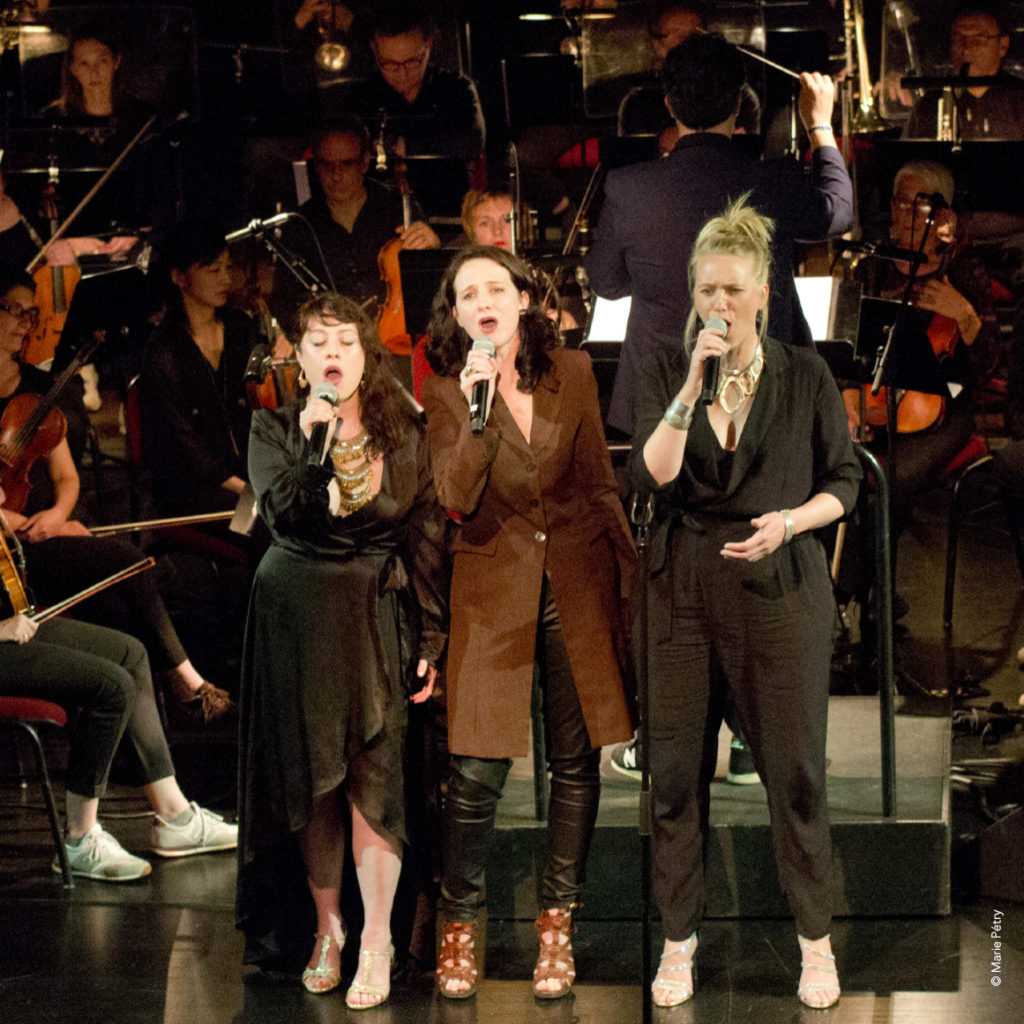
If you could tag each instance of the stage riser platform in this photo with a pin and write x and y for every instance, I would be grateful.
(881, 870)
(881, 867)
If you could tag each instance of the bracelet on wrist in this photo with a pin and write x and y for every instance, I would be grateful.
(819, 128)
(679, 415)
(787, 519)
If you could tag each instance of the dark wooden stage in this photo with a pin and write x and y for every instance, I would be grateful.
(914, 942)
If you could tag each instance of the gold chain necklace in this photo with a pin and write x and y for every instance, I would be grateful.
(352, 471)
(742, 383)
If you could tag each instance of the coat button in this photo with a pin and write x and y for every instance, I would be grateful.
(540, 536)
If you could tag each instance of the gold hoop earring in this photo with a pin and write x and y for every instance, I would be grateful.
(302, 382)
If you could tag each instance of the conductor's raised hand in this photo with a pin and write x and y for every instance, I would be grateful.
(771, 532)
(479, 366)
(817, 99)
(428, 673)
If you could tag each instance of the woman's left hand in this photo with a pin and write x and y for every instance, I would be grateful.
(50, 522)
(771, 532)
(941, 297)
(424, 670)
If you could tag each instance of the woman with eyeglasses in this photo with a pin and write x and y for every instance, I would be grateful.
(61, 556)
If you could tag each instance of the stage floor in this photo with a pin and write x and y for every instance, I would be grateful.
(165, 950)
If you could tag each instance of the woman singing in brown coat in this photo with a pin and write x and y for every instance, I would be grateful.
(542, 559)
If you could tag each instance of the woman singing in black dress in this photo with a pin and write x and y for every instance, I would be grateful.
(771, 452)
(347, 605)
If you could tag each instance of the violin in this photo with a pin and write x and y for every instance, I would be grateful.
(54, 289)
(391, 318)
(270, 382)
(31, 427)
(918, 411)
(16, 592)
(11, 579)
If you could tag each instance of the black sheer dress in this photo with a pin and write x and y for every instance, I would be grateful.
(341, 610)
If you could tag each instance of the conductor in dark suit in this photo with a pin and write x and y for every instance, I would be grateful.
(653, 211)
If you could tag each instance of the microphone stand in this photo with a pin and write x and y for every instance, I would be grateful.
(641, 514)
(882, 360)
(513, 187)
(294, 263)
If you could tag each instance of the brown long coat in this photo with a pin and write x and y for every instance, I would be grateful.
(526, 508)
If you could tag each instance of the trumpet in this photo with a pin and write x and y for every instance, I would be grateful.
(861, 114)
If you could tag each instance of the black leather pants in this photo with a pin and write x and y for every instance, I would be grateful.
(475, 785)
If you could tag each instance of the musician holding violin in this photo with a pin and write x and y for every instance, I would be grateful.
(954, 287)
(354, 218)
(59, 551)
(105, 675)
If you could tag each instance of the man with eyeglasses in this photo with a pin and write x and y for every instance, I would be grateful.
(353, 216)
(979, 40)
(430, 112)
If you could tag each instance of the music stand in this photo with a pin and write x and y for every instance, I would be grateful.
(421, 271)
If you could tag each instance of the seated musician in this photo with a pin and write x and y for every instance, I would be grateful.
(954, 287)
(431, 110)
(195, 416)
(487, 218)
(104, 674)
(642, 110)
(61, 556)
(978, 41)
(353, 216)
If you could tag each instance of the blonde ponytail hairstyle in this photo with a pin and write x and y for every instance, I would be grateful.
(738, 231)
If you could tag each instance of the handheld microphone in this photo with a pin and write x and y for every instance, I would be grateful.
(480, 398)
(258, 227)
(319, 437)
(709, 392)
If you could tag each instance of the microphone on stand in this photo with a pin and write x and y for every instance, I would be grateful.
(709, 392)
(480, 398)
(320, 435)
(258, 227)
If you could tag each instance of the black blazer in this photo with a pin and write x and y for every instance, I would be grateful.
(653, 213)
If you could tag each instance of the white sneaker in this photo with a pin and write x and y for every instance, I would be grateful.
(99, 855)
(205, 833)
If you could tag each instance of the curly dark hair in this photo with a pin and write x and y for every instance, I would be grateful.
(449, 344)
(385, 413)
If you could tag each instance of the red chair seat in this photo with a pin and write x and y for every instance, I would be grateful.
(29, 709)
(975, 448)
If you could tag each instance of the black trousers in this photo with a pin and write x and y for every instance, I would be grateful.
(475, 786)
(61, 566)
(773, 644)
(104, 675)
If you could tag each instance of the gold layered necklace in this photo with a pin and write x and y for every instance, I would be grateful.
(734, 388)
(352, 471)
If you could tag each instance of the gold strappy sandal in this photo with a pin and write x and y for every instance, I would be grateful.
(321, 979)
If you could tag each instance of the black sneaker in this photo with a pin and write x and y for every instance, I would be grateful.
(624, 760)
(741, 765)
